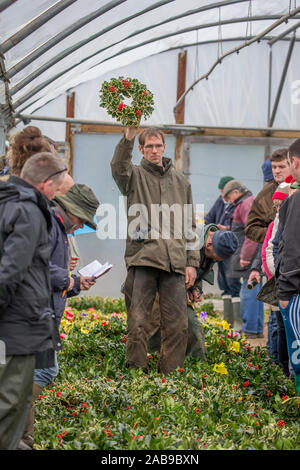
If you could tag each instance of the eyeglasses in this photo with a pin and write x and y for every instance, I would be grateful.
(150, 147)
(54, 174)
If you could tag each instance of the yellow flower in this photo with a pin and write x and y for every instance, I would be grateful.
(289, 399)
(220, 368)
(224, 324)
(84, 330)
(234, 346)
(240, 398)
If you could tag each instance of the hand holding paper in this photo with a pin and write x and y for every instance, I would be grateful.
(95, 269)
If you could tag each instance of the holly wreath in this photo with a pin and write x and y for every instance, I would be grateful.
(113, 93)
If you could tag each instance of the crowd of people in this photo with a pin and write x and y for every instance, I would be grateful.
(265, 226)
(41, 205)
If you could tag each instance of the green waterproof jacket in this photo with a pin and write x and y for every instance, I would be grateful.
(205, 271)
(154, 238)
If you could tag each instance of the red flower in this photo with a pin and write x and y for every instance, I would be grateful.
(124, 339)
(112, 88)
(270, 394)
(121, 106)
(180, 369)
(138, 112)
(163, 380)
(281, 423)
(284, 397)
(70, 316)
(246, 383)
(126, 84)
(145, 93)
(128, 407)
(40, 397)
(58, 394)
(74, 413)
(197, 410)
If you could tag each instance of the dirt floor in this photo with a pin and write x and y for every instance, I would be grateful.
(260, 341)
(218, 304)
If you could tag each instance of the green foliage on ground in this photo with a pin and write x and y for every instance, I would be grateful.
(235, 399)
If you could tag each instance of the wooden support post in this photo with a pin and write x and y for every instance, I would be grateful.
(181, 79)
(70, 113)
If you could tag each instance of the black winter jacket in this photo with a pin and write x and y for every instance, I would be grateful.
(25, 222)
(288, 268)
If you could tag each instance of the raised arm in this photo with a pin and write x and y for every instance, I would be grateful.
(121, 164)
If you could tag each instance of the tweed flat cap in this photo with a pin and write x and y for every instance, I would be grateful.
(232, 185)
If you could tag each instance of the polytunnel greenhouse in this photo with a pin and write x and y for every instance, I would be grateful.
(219, 82)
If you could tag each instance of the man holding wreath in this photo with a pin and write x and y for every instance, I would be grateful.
(157, 260)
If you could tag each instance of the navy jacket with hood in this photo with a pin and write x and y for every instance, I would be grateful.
(59, 266)
(220, 213)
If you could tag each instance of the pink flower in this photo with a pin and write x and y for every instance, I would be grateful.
(62, 335)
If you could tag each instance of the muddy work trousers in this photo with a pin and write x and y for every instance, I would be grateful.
(141, 286)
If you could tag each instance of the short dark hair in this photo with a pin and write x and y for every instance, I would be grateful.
(38, 168)
(294, 149)
(150, 132)
(279, 155)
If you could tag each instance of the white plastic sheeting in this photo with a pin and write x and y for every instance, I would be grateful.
(235, 95)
